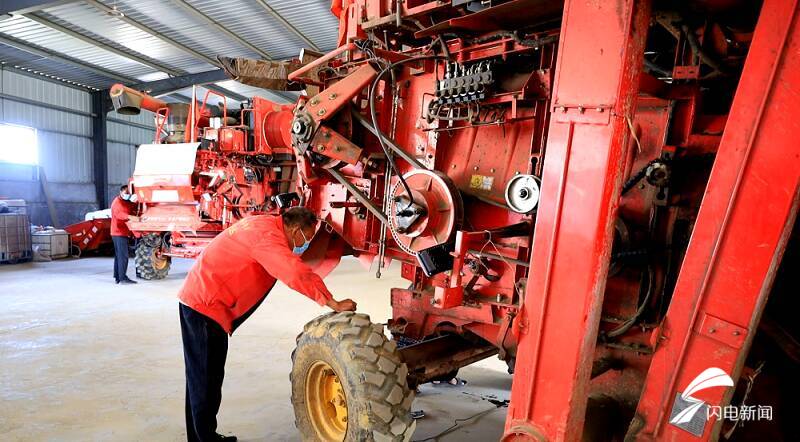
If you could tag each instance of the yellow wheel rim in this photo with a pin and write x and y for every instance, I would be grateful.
(159, 262)
(326, 402)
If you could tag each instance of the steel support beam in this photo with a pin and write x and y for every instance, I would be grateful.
(288, 25)
(746, 217)
(154, 33)
(128, 123)
(196, 13)
(39, 18)
(44, 53)
(71, 111)
(100, 148)
(133, 56)
(32, 74)
(25, 6)
(22, 100)
(164, 38)
(593, 96)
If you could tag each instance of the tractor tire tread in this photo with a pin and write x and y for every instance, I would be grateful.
(145, 268)
(373, 369)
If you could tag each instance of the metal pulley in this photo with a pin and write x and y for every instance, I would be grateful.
(433, 217)
(522, 193)
(303, 129)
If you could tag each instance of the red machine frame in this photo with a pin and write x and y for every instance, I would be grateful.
(603, 118)
(666, 191)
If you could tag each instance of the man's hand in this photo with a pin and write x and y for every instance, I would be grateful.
(347, 305)
(133, 218)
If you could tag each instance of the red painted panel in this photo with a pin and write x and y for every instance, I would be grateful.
(596, 75)
(740, 234)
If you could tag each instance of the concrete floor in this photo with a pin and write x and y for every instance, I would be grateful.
(84, 359)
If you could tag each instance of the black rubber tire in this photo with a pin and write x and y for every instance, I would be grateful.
(148, 265)
(370, 371)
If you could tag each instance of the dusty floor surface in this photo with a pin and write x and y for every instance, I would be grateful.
(84, 359)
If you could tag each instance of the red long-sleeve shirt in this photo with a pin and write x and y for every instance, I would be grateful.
(120, 213)
(240, 266)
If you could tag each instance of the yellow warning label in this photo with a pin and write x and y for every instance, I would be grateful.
(481, 182)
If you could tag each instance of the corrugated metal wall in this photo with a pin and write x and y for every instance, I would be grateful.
(122, 142)
(64, 129)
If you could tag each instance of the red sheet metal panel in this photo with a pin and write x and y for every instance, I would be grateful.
(740, 233)
(595, 86)
(92, 235)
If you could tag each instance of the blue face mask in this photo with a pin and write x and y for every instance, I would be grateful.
(298, 250)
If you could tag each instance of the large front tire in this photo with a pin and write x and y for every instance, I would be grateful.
(149, 263)
(348, 382)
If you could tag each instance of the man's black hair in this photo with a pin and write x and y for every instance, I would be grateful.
(299, 217)
(123, 187)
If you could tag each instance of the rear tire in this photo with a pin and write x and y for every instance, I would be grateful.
(149, 265)
(358, 356)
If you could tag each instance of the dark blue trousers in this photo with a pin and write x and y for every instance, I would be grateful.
(120, 258)
(205, 348)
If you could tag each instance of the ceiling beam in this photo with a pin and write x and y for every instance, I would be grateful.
(203, 77)
(77, 85)
(287, 25)
(25, 6)
(180, 98)
(38, 18)
(146, 29)
(192, 10)
(218, 75)
(45, 53)
(125, 19)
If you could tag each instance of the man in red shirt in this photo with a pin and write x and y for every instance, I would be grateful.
(121, 209)
(229, 280)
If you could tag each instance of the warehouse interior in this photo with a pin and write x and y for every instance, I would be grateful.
(57, 62)
(59, 57)
(399, 220)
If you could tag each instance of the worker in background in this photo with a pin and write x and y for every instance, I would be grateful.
(121, 209)
(229, 280)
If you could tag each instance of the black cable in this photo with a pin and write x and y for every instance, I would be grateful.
(374, 116)
(456, 422)
(445, 49)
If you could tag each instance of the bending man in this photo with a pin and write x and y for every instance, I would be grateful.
(230, 279)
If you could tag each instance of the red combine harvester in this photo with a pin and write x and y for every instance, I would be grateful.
(598, 192)
(208, 167)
